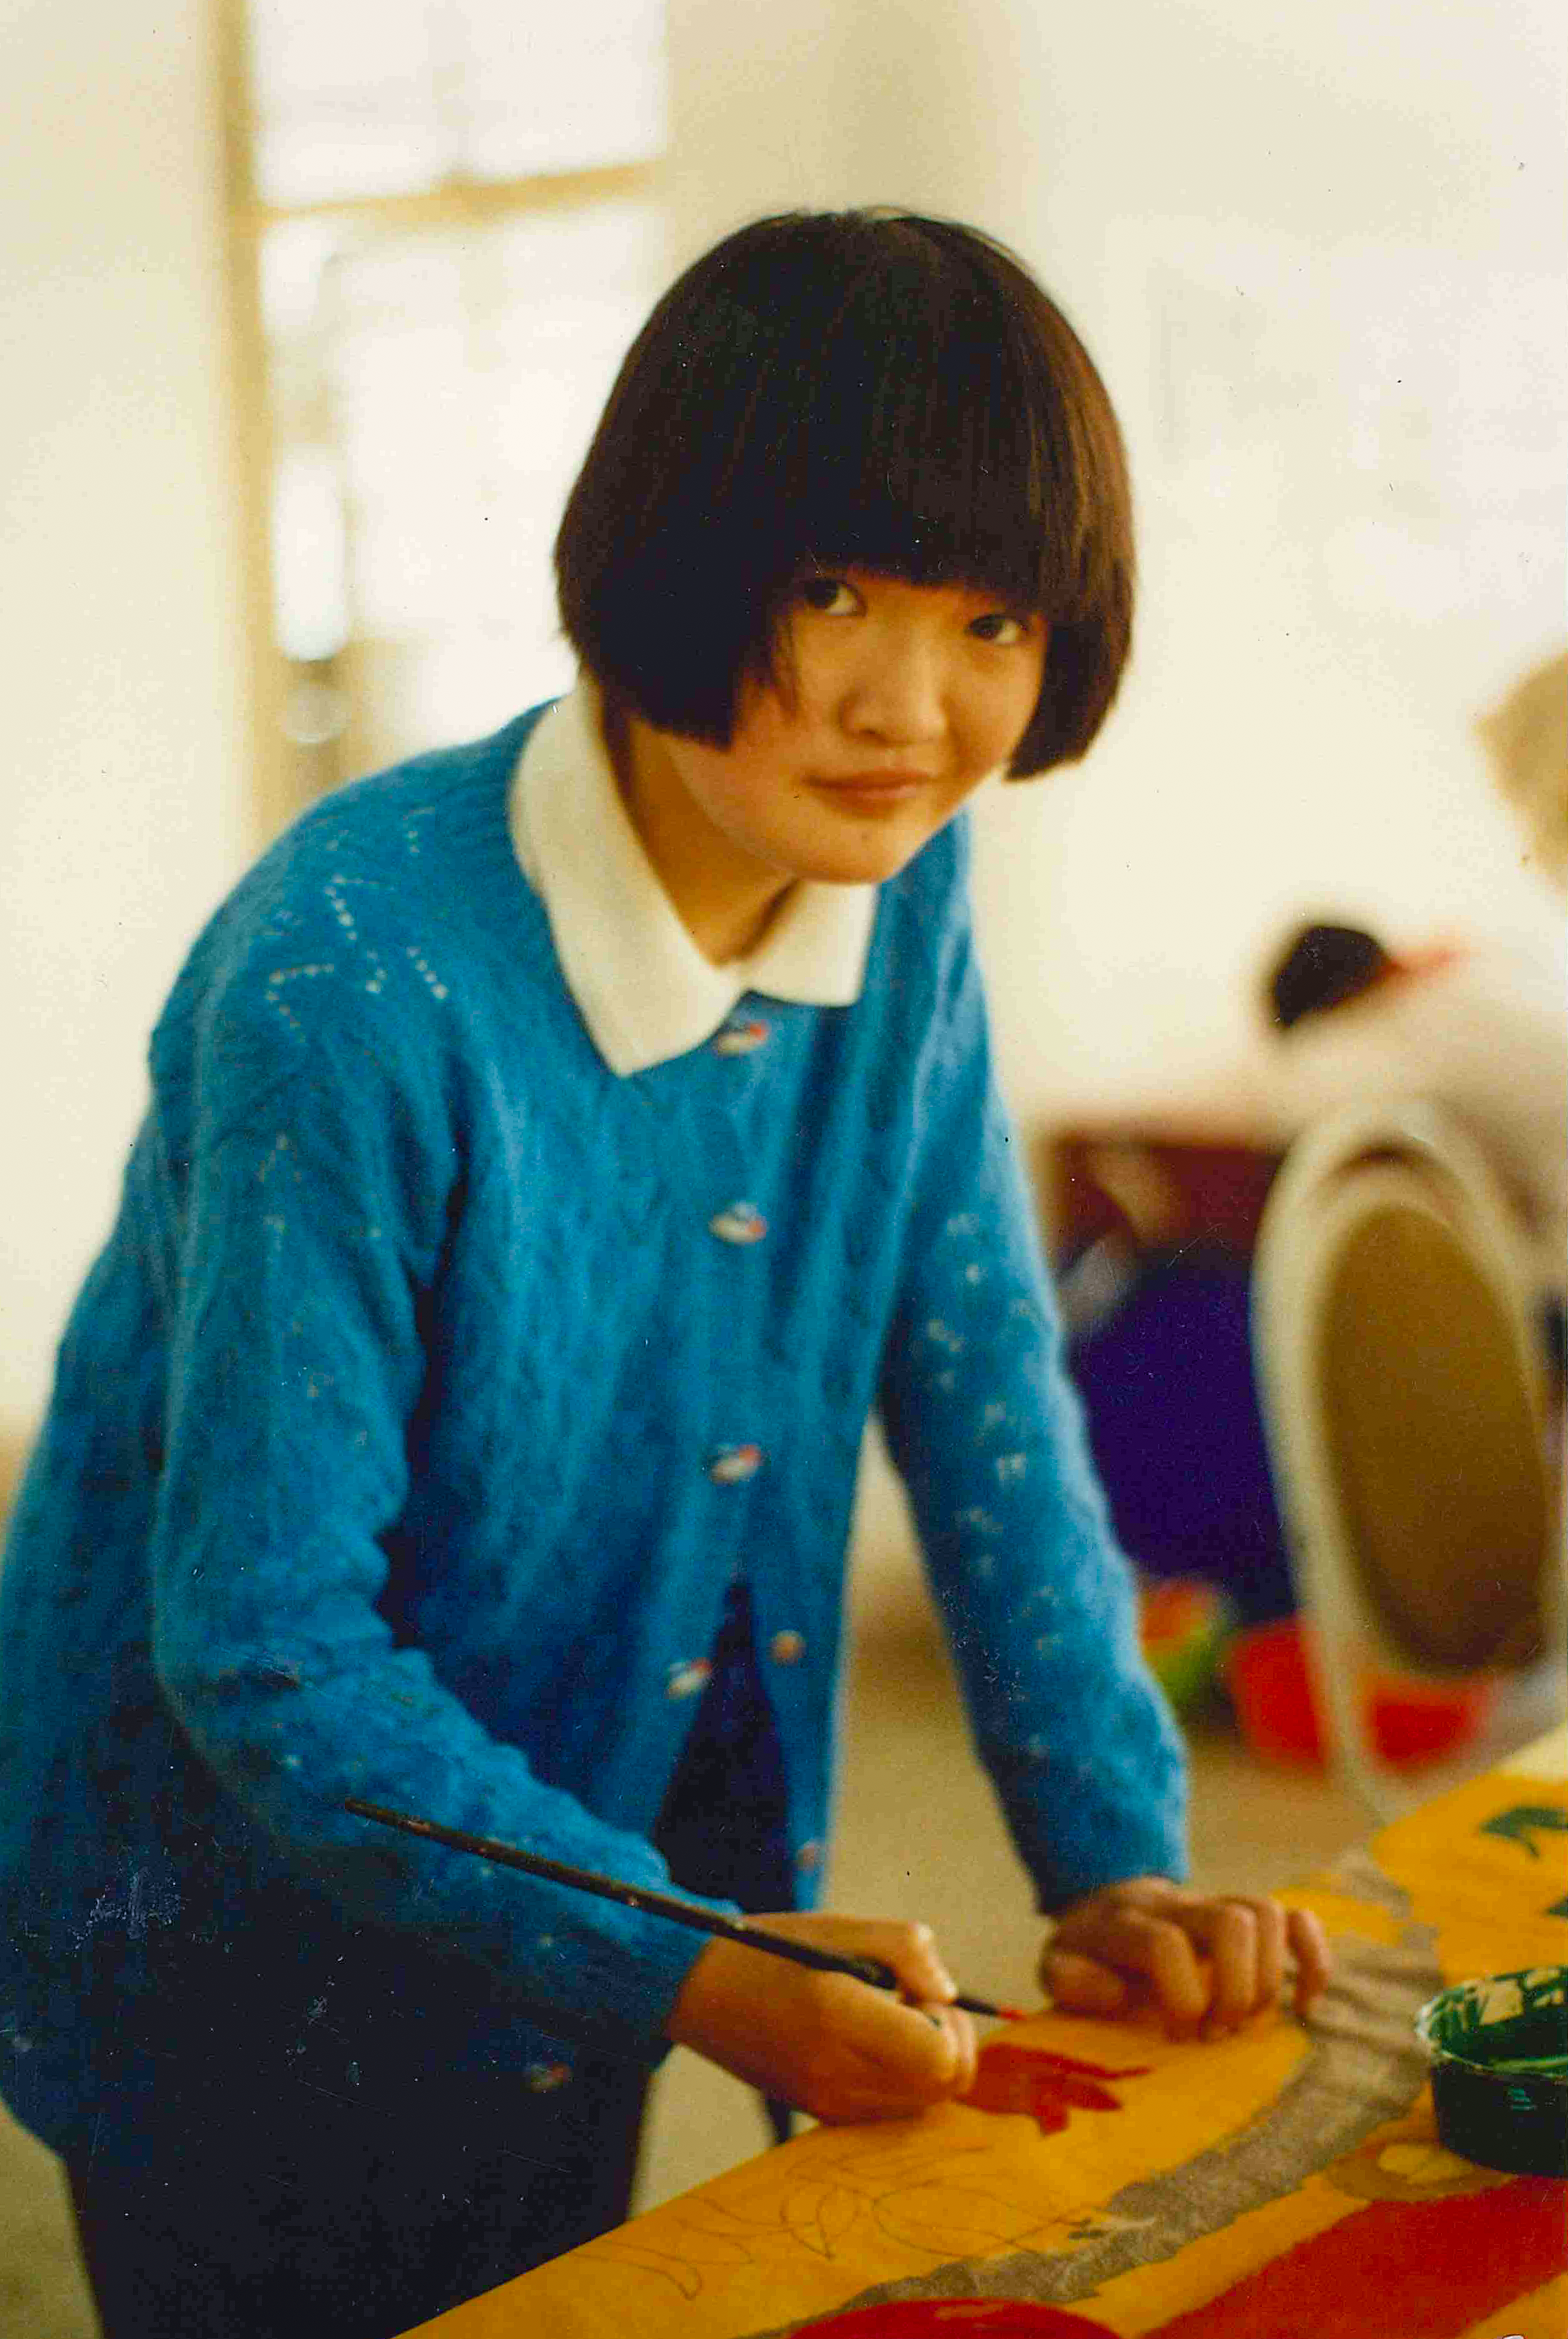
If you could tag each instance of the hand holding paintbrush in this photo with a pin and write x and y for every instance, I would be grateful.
(793, 2033)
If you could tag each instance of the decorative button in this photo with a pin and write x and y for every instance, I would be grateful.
(741, 1037)
(808, 1859)
(731, 1465)
(743, 1222)
(684, 1681)
(788, 1648)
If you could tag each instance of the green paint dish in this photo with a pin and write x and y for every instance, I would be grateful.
(1499, 2054)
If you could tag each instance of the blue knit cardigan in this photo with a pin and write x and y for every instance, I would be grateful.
(433, 1387)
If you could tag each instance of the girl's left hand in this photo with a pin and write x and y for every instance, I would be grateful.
(1206, 1963)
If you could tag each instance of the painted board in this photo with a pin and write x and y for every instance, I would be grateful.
(1139, 2186)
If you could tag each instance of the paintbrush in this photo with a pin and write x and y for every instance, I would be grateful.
(663, 1904)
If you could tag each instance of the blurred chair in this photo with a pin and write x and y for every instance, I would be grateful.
(1404, 1406)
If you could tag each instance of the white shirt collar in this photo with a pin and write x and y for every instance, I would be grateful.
(642, 986)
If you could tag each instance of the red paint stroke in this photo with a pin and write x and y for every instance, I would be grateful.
(957, 2318)
(1416, 2269)
(1012, 2078)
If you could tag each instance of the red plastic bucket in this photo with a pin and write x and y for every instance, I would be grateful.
(1412, 1722)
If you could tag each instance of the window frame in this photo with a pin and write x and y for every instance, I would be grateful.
(284, 780)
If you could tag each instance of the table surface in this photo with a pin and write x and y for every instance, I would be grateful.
(1286, 2180)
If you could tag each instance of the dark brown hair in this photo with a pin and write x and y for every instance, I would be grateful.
(833, 390)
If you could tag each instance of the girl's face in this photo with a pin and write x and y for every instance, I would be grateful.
(904, 697)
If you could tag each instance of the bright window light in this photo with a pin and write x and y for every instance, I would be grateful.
(397, 97)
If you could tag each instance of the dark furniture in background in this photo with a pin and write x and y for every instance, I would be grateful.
(1151, 1234)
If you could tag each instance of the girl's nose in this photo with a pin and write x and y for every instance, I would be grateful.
(897, 695)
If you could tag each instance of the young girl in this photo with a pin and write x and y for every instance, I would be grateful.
(557, 1146)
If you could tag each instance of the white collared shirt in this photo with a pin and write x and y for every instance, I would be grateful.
(641, 984)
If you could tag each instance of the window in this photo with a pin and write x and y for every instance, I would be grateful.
(447, 226)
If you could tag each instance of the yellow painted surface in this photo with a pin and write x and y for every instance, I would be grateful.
(805, 2228)
(1488, 1895)
(815, 2222)
(1144, 2300)
(1341, 1914)
(1542, 2315)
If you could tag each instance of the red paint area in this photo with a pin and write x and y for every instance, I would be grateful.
(1393, 2270)
(1399, 2270)
(957, 2318)
(1048, 2087)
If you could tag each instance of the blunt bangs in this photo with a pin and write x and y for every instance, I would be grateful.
(834, 390)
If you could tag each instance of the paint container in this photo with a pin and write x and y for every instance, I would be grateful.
(1414, 1721)
(1499, 2055)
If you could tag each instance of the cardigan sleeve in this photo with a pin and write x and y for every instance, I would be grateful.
(309, 1230)
(987, 1433)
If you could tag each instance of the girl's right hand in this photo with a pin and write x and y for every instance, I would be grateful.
(837, 2048)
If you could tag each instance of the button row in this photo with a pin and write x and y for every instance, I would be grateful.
(731, 1465)
(741, 1036)
(740, 1222)
(786, 1648)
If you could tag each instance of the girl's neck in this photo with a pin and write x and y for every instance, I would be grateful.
(723, 896)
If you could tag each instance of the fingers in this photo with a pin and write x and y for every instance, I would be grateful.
(1251, 1944)
(878, 2057)
(834, 2046)
(1082, 1984)
(910, 1950)
(1132, 1943)
(1314, 1957)
(960, 2033)
(1209, 1964)
(926, 1987)
(1230, 1931)
(1272, 1937)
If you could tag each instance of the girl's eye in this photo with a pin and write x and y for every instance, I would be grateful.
(830, 596)
(998, 626)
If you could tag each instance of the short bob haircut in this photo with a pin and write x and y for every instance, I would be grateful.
(847, 390)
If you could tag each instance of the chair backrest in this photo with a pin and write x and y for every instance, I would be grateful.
(1403, 1397)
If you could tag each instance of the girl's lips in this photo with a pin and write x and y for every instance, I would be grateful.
(879, 779)
(868, 792)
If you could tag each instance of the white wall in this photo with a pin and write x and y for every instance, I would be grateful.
(765, 107)
(123, 811)
(1339, 210)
